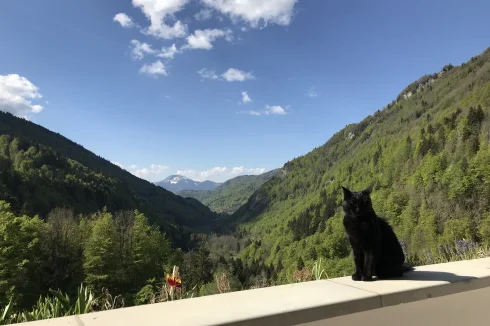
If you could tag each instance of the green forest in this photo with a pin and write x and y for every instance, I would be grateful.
(120, 253)
(70, 220)
(427, 154)
(41, 170)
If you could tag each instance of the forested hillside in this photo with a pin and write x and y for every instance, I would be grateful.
(232, 194)
(42, 170)
(119, 256)
(119, 251)
(427, 154)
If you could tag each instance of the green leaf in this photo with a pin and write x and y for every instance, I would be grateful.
(6, 312)
(64, 300)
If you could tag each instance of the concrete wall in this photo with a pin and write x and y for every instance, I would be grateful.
(455, 293)
(470, 308)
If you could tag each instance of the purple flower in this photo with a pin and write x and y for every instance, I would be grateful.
(429, 256)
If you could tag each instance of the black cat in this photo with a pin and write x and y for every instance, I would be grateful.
(376, 249)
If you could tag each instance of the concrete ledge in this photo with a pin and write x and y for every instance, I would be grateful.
(298, 303)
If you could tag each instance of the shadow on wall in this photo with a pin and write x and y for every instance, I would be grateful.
(432, 276)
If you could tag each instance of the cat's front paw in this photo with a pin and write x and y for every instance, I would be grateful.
(356, 277)
(367, 279)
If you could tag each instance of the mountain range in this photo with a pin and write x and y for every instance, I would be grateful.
(176, 183)
(232, 194)
(426, 153)
(42, 170)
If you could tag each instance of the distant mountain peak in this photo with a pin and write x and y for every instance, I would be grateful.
(175, 178)
(230, 195)
(178, 182)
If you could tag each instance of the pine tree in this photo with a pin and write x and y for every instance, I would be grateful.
(300, 264)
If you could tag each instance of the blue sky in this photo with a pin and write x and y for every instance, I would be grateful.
(115, 84)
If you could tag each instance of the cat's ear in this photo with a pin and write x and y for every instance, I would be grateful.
(368, 190)
(347, 193)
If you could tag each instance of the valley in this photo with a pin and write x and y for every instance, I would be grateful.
(427, 155)
(230, 195)
(157, 150)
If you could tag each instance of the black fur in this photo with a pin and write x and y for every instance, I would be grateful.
(376, 249)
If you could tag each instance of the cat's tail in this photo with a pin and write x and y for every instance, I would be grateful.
(395, 271)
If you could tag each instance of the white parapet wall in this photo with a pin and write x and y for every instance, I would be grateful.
(338, 301)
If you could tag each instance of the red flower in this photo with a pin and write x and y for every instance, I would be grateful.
(173, 281)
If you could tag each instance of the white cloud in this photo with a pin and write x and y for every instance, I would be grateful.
(250, 112)
(269, 110)
(203, 39)
(169, 52)
(230, 75)
(130, 168)
(124, 20)
(159, 12)
(246, 98)
(233, 74)
(275, 109)
(220, 174)
(240, 170)
(15, 94)
(312, 93)
(154, 170)
(140, 49)
(207, 74)
(154, 69)
(237, 170)
(203, 15)
(170, 32)
(254, 12)
(122, 166)
(118, 164)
